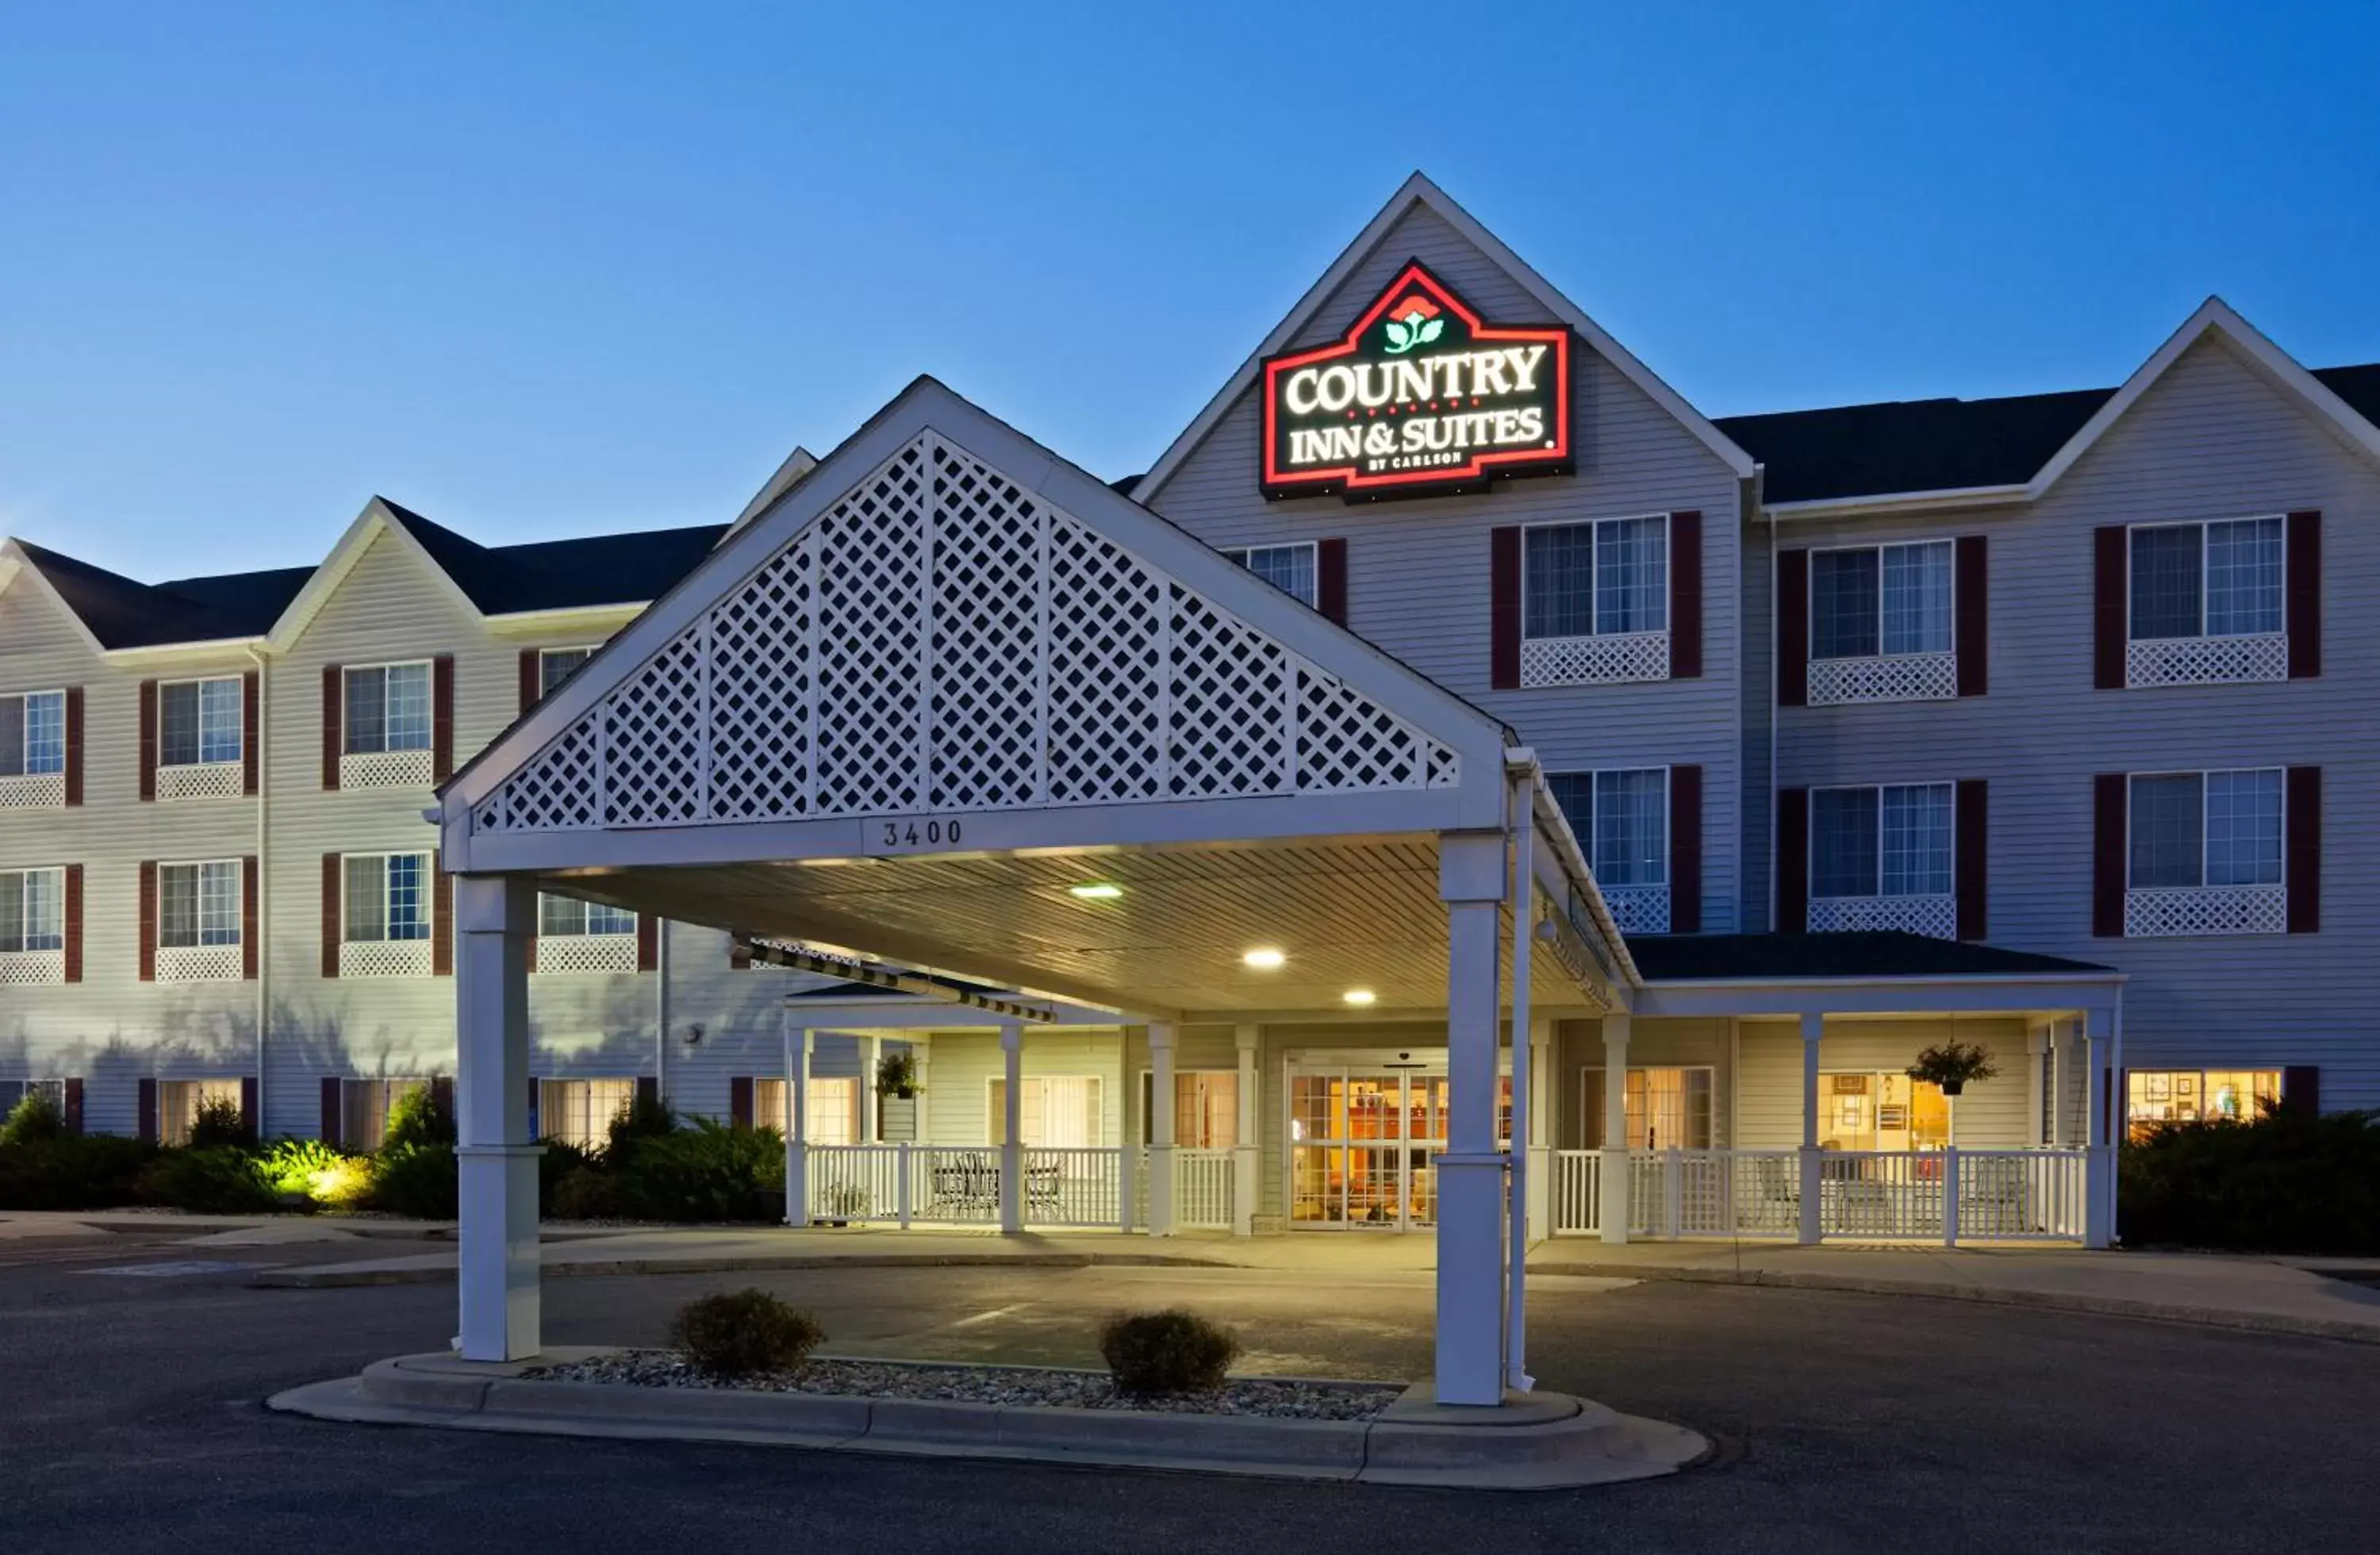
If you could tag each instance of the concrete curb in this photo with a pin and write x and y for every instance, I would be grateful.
(335, 1277)
(1547, 1441)
(1999, 1296)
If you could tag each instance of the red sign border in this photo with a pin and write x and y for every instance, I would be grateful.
(1346, 478)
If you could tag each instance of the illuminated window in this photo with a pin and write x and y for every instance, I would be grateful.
(1870, 1111)
(1057, 1112)
(2175, 1096)
(366, 1107)
(1205, 1108)
(580, 1112)
(178, 1102)
(1665, 1108)
(835, 1109)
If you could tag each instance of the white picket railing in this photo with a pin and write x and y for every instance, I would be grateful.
(2022, 1195)
(854, 1182)
(1577, 1192)
(1715, 1192)
(2037, 1194)
(1073, 1187)
(954, 1186)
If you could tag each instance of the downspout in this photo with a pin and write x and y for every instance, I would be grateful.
(1775, 685)
(662, 1009)
(264, 876)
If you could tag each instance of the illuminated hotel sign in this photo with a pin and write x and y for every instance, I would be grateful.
(1419, 396)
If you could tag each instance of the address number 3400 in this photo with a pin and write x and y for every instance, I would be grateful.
(903, 835)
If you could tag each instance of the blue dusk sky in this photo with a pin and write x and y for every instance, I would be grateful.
(541, 271)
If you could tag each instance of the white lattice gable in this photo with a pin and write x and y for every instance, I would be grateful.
(945, 624)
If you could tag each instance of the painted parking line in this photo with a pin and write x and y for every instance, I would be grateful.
(176, 1269)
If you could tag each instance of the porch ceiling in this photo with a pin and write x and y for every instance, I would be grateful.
(1352, 914)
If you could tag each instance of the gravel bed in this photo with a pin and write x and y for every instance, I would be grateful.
(969, 1384)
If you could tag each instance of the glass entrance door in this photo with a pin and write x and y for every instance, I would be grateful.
(1361, 1141)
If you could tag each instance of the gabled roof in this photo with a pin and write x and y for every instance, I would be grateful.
(1419, 190)
(119, 613)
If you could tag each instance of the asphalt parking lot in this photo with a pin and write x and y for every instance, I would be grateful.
(131, 1413)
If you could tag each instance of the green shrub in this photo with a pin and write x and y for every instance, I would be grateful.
(220, 1122)
(421, 1116)
(97, 1171)
(711, 1172)
(738, 1333)
(2285, 1183)
(207, 1179)
(588, 1194)
(1155, 1355)
(418, 1180)
(645, 1117)
(561, 1161)
(326, 1175)
(35, 1119)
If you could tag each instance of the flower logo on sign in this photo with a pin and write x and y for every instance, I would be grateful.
(1412, 322)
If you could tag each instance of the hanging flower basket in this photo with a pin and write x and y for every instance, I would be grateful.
(896, 1075)
(1952, 1064)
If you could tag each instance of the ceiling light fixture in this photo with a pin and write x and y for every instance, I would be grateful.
(1264, 958)
(1358, 996)
(1098, 891)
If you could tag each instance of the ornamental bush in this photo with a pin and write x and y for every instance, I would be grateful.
(97, 1171)
(1157, 1354)
(221, 1123)
(645, 1117)
(324, 1174)
(34, 1120)
(421, 1116)
(741, 1334)
(561, 1161)
(2285, 1183)
(417, 1180)
(207, 1179)
(711, 1172)
(588, 1194)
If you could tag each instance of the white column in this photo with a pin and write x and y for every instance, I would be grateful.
(1612, 1206)
(1541, 1127)
(1161, 1128)
(2061, 1044)
(871, 1114)
(1246, 1148)
(797, 1121)
(922, 1051)
(1813, 1179)
(2037, 1043)
(2099, 1162)
(2119, 1115)
(1012, 1138)
(498, 1273)
(1471, 1171)
(1522, 811)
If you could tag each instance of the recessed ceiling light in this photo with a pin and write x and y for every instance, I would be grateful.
(1358, 996)
(1264, 958)
(1100, 890)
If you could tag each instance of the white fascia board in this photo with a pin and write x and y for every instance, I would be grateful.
(1420, 190)
(788, 474)
(931, 1015)
(15, 564)
(2010, 994)
(1884, 504)
(374, 521)
(1569, 867)
(601, 620)
(173, 655)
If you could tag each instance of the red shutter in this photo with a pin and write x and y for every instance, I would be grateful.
(74, 1108)
(2109, 795)
(441, 718)
(648, 942)
(1970, 834)
(74, 745)
(529, 953)
(2109, 589)
(147, 1110)
(248, 1111)
(250, 945)
(250, 714)
(441, 919)
(334, 1125)
(1685, 849)
(532, 678)
(739, 953)
(147, 739)
(648, 1089)
(1504, 608)
(1793, 632)
(441, 1096)
(334, 713)
(1792, 861)
(1972, 615)
(2303, 850)
(1331, 579)
(334, 912)
(1685, 598)
(2304, 622)
(148, 920)
(2301, 1089)
(739, 1101)
(73, 926)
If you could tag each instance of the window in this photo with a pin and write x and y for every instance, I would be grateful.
(2193, 830)
(564, 917)
(1666, 1107)
(199, 722)
(13, 1092)
(1882, 600)
(1888, 841)
(32, 910)
(197, 904)
(366, 1107)
(2163, 1096)
(178, 1102)
(580, 1112)
(1596, 580)
(834, 1108)
(1206, 1109)
(2207, 580)
(1289, 568)
(388, 708)
(1057, 1112)
(33, 734)
(1621, 820)
(388, 898)
(1881, 1112)
(555, 665)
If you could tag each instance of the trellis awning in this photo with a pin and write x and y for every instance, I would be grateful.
(948, 677)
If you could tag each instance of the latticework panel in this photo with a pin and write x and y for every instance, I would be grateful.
(1612, 659)
(1900, 677)
(1345, 740)
(653, 740)
(2159, 913)
(212, 780)
(33, 791)
(871, 642)
(564, 954)
(1107, 670)
(32, 967)
(198, 964)
(1935, 916)
(560, 791)
(385, 769)
(384, 958)
(2207, 661)
(985, 747)
(762, 689)
(1639, 909)
(1227, 690)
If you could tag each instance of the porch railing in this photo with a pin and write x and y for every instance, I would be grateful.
(1204, 1183)
(1577, 1192)
(959, 1184)
(2034, 1195)
(1073, 1187)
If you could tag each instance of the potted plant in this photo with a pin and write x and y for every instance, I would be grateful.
(896, 1075)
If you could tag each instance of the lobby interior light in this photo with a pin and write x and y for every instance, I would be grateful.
(1359, 996)
(1264, 958)
(1098, 891)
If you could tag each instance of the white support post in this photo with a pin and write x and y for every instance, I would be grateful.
(2036, 1044)
(2062, 1045)
(1516, 1214)
(1541, 1127)
(1951, 1195)
(1471, 1173)
(797, 1122)
(2119, 1120)
(1613, 1166)
(871, 1110)
(1813, 1027)
(904, 1176)
(1245, 1147)
(1161, 1128)
(497, 1252)
(922, 1051)
(2099, 1160)
(1012, 1138)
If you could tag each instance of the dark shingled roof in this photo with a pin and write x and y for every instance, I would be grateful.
(1775, 957)
(125, 613)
